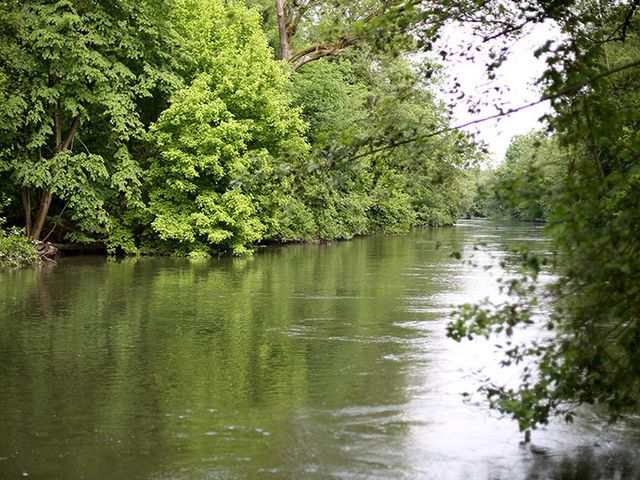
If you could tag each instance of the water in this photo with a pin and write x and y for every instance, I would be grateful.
(304, 362)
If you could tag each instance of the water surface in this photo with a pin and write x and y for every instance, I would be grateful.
(303, 362)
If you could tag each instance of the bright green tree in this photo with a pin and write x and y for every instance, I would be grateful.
(227, 125)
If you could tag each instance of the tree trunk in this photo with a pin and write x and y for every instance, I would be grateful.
(61, 146)
(45, 203)
(26, 205)
(283, 52)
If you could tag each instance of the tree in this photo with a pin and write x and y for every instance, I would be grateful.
(592, 354)
(526, 185)
(72, 74)
(230, 121)
(308, 30)
(354, 104)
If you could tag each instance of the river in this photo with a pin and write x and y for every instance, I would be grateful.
(301, 362)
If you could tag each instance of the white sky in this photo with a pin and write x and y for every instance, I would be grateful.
(516, 76)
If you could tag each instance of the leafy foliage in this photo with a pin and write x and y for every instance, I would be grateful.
(381, 104)
(16, 249)
(231, 119)
(527, 185)
(304, 31)
(72, 76)
(169, 126)
(591, 355)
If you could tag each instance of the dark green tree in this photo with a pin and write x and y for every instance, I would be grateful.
(73, 75)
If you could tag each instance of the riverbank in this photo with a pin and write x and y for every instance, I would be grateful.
(16, 250)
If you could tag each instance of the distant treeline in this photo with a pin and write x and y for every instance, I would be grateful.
(527, 185)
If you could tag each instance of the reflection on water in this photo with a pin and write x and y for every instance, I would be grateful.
(301, 362)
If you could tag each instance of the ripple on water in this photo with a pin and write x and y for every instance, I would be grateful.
(299, 363)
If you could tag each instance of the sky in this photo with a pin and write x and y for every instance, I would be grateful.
(517, 74)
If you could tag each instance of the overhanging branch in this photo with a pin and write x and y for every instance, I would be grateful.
(561, 93)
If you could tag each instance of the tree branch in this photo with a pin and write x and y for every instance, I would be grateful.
(296, 18)
(627, 19)
(506, 31)
(70, 134)
(316, 52)
(545, 98)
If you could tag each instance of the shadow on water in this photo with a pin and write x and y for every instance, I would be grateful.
(586, 464)
(306, 362)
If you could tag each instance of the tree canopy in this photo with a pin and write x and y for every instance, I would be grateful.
(172, 126)
(73, 73)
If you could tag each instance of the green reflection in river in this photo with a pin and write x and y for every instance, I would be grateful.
(303, 362)
(143, 368)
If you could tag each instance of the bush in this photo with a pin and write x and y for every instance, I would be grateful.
(16, 249)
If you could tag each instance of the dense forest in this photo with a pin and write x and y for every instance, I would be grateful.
(173, 126)
(527, 184)
(199, 127)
